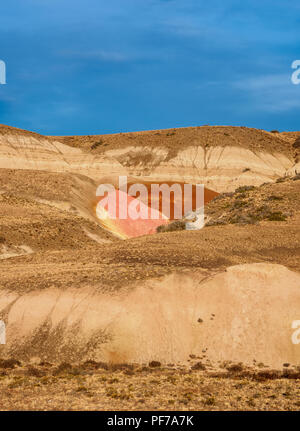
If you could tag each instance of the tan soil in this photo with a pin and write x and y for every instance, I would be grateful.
(46, 197)
(90, 387)
(175, 139)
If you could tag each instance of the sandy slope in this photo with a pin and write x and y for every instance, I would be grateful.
(222, 158)
(242, 314)
(81, 293)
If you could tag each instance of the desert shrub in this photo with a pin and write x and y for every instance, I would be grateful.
(198, 366)
(267, 375)
(96, 144)
(276, 216)
(121, 367)
(290, 374)
(244, 219)
(274, 198)
(9, 363)
(64, 367)
(210, 401)
(35, 372)
(241, 195)
(242, 189)
(239, 204)
(296, 144)
(274, 131)
(2, 240)
(154, 364)
(222, 196)
(263, 213)
(45, 364)
(171, 227)
(216, 223)
(91, 364)
(235, 368)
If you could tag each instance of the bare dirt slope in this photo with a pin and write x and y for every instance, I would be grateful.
(233, 314)
(69, 270)
(220, 157)
(47, 211)
(71, 291)
(176, 139)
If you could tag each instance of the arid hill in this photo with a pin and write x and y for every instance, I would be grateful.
(220, 157)
(70, 290)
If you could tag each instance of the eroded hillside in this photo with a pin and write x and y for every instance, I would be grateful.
(70, 289)
(220, 157)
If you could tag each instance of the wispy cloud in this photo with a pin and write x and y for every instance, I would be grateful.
(152, 64)
(100, 55)
(272, 93)
(264, 82)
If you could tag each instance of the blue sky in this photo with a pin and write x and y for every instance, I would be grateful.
(98, 66)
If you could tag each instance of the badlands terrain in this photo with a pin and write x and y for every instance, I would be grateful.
(173, 320)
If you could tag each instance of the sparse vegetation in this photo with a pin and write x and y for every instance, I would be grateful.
(198, 366)
(274, 198)
(251, 205)
(210, 401)
(154, 364)
(230, 386)
(171, 133)
(296, 144)
(64, 257)
(242, 189)
(281, 180)
(9, 363)
(97, 144)
(171, 227)
(276, 216)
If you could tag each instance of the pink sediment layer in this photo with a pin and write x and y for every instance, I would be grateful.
(121, 220)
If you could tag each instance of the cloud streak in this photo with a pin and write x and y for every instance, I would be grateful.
(97, 55)
(147, 65)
